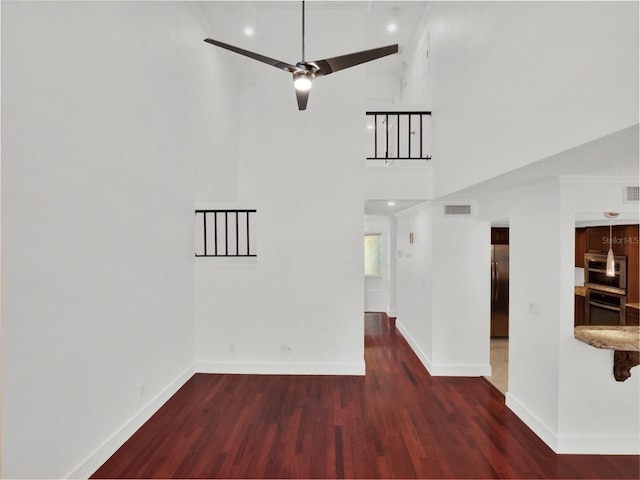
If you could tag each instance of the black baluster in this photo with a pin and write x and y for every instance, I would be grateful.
(215, 231)
(248, 249)
(409, 136)
(398, 135)
(386, 128)
(237, 235)
(204, 224)
(226, 233)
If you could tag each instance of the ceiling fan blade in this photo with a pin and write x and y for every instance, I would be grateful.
(330, 65)
(302, 97)
(256, 56)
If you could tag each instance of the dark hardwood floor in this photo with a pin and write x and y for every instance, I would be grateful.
(396, 422)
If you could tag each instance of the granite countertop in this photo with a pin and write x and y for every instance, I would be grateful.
(624, 338)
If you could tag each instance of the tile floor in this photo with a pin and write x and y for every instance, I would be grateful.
(499, 364)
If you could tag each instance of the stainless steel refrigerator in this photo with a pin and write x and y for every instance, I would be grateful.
(499, 290)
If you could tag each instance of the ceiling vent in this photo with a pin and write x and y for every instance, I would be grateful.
(457, 209)
(632, 194)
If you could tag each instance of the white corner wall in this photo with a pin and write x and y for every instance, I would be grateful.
(443, 300)
(106, 109)
(534, 299)
(414, 287)
(511, 83)
(561, 388)
(461, 293)
(587, 423)
(299, 308)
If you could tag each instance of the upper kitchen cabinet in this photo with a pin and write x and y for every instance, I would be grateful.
(499, 236)
(598, 240)
(581, 246)
(633, 264)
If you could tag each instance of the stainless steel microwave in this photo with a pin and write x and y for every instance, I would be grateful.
(596, 278)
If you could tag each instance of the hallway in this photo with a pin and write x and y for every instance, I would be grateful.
(397, 421)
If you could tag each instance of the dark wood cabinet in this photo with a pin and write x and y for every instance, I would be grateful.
(594, 239)
(581, 246)
(578, 309)
(633, 265)
(598, 239)
(631, 317)
(499, 236)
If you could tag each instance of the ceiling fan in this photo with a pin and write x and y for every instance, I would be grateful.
(305, 72)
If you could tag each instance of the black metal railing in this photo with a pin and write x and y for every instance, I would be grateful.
(398, 135)
(225, 233)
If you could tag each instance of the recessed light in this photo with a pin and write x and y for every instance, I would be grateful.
(248, 31)
(391, 27)
(369, 127)
(391, 204)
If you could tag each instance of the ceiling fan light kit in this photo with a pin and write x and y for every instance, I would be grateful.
(303, 80)
(305, 72)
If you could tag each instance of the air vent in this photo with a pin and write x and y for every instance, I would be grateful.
(632, 194)
(457, 209)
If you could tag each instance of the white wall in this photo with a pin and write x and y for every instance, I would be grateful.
(534, 265)
(562, 388)
(106, 108)
(592, 426)
(414, 287)
(461, 294)
(443, 299)
(511, 83)
(400, 182)
(306, 287)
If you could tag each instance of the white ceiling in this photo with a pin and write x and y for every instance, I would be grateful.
(340, 27)
(332, 28)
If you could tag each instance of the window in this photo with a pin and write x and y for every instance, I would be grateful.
(372, 245)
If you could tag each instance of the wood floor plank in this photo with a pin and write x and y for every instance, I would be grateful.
(395, 422)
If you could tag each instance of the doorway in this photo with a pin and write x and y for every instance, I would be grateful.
(380, 286)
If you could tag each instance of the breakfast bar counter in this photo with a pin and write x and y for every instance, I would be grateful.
(624, 340)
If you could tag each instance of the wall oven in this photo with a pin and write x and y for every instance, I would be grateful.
(605, 296)
(595, 277)
(604, 308)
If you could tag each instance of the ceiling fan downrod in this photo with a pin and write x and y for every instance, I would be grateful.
(302, 31)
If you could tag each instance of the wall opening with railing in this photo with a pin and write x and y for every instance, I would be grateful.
(225, 233)
(398, 135)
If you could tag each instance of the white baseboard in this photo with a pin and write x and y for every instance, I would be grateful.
(416, 348)
(538, 427)
(598, 445)
(109, 447)
(263, 368)
(444, 370)
(573, 444)
(460, 370)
